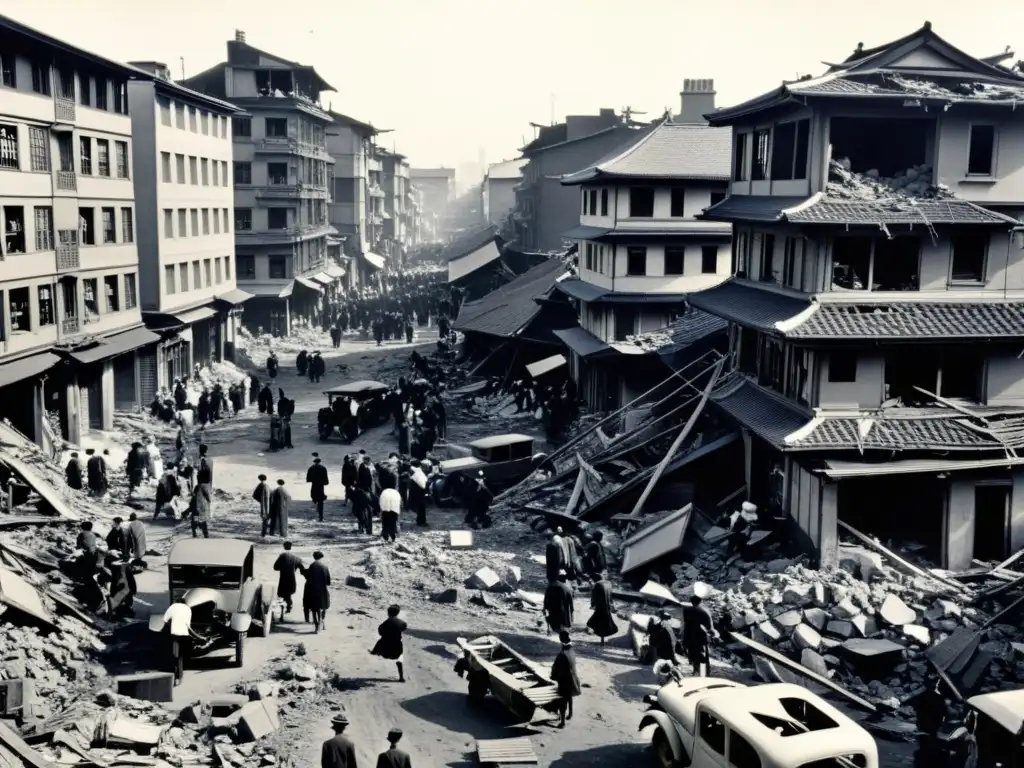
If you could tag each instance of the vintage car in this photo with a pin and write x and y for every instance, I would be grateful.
(503, 459)
(998, 733)
(215, 579)
(372, 412)
(706, 722)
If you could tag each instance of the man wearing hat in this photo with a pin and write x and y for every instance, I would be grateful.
(418, 492)
(393, 757)
(662, 638)
(479, 503)
(117, 541)
(740, 527)
(338, 751)
(287, 565)
(318, 480)
(261, 495)
(558, 604)
(698, 630)
(73, 472)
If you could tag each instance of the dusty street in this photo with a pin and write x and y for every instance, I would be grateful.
(432, 707)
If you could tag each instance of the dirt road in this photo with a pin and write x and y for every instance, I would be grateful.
(431, 707)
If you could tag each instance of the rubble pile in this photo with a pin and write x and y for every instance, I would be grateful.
(650, 342)
(864, 625)
(303, 336)
(967, 89)
(914, 183)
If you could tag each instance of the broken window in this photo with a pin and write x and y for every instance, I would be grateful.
(851, 263)
(842, 367)
(771, 364)
(768, 258)
(625, 323)
(896, 264)
(883, 147)
(969, 255)
(961, 373)
(740, 158)
(636, 261)
(910, 367)
(762, 145)
(789, 150)
(981, 154)
(641, 202)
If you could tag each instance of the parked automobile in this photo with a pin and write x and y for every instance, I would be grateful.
(504, 460)
(372, 412)
(1000, 722)
(708, 722)
(215, 579)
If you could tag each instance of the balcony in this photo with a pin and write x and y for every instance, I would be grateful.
(280, 236)
(67, 251)
(290, 192)
(276, 145)
(65, 109)
(66, 180)
(69, 326)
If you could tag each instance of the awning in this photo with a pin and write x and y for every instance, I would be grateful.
(335, 271)
(323, 277)
(307, 283)
(194, 315)
(585, 232)
(26, 368)
(575, 288)
(235, 296)
(468, 264)
(836, 469)
(270, 290)
(547, 365)
(582, 342)
(116, 345)
(371, 258)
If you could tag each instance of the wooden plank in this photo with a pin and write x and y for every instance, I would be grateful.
(18, 746)
(17, 521)
(517, 751)
(67, 605)
(1009, 561)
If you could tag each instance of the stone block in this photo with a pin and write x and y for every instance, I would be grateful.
(257, 719)
(816, 617)
(814, 661)
(896, 613)
(484, 579)
(806, 637)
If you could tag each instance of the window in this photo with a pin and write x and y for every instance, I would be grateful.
(121, 97)
(206, 221)
(165, 167)
(245, 267)
(193, 172)
(277, 173)
(39, 148)
(740, 171)
(278, 266)
(981, 152)
(207, 272)
(216, 265)
(224, 127)
(243, 219)
(741, 753)
(227, 222)
(676, 206)
(9, 147)
(636, 261)
(66, 84)
(227, 267)
(179, 166)
(789, 263)
(44, 228)
(183, 277)
(65, 157)
(216, 222)
(241, 126)
(604, 202)
(204, 168)
(789, 150)
(14, 229)
(195, 222)
(121, 153)
(243, 173)
(224, 171)
(584, 198)
(712, 732)
(182, 222)
(102, 157)
(709, 259)
(7, 70)
(717, 197)
(277, 127)
(110, 293)
(204, 122)
(127, 226)
(101, 93)
(192, 124)
(762, 144)
(767, 258)
(641, 202)
(91, 299)
(169, 282)
(85, 92)
(109, 225)
(131, 298)
(969, 255)
(277, 218)
(625, 323)
(41, 78)
(593, 201)
(675, 259)
(47, 314)
(168, 223)
(197, 274)
(165, 110)
(842, 367)
(87, 226)
(214, 122)
(21, 315)
(215, 166)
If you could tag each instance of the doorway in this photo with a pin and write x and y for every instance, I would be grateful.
(992, 521)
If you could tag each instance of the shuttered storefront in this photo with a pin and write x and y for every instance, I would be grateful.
(202, 350)
(125, 395)
(147, 375)
(90, 383)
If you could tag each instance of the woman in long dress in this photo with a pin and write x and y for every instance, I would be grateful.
(602, 621)
(565, 677)
(390, 645)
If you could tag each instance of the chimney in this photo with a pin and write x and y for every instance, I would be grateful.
(697, 99)
(156, 68)
(239, 36)
(606, 112)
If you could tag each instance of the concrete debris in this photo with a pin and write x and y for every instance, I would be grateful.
(805, 637)
(484, 579)
(895, 612)
(917, 633)
(448, 596)
(357, 581)
(916, 182)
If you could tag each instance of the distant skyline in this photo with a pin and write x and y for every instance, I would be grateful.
(459, 81)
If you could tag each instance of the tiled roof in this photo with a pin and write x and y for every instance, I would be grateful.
(575, 288)
(912, 321)
(751, 208)
(873, 213)
(670, 151)
(747, 305)
(694, 326)
(765, 415)
(895, 85)
(507, 310)
(582, 341)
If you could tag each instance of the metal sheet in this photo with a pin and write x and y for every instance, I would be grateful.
(471, 262)
(546, 365)
(837, 469)
(27, 368)
(40, 486)
(305, 281)
(112, 346)
(657, 540)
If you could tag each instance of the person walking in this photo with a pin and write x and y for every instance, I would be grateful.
(261, 495)
(287, 565)
(96, 473)
(316, 596)
(698, 631)
(565, 677)
(204, 475)
(602, 620)
(73, 472)
(390, 509)
(390, 645)
(318, 481)
(348, 477)
(558, 604)
(595, 560)
(167, 490)
(418, 494)
(135, 539)
(338, 751)
(393, 757)
(201, 510)
(661, 639)
(135, 467)
(280, 505)
(554, 557)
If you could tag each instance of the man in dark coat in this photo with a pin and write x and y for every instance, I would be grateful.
(393, 757)
(266, 400)
(554, 557)
(73, 472)
(480, 503)
(319, 367)
(595, 561)
(116, 539)
(662, 639)
(254, 388)
(316, 596)
(204, 476)
(390, 646)
(261, 495)
(364, 474)
(348, 477)
(565, 677)
(338, 751)
(272, 366)
(287, 565)
(698, 630)
(302, 362)
(558, 605)
(135, 466)
(602, 621)
(280, 504)
(135, 539)
(200, 509)
(318, 481)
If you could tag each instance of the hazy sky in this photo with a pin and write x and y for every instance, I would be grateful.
(455, 78)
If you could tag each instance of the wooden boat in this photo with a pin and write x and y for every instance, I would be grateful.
(513, 679)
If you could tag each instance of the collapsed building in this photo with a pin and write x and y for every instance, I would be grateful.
(875, 313)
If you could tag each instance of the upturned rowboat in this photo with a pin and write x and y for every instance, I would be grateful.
(513, 679)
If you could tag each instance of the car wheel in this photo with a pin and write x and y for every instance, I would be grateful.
(663, 755)
(239, 648)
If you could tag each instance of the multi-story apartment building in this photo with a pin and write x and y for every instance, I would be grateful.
(498, 192)
(877, 306)
(395, 178)
(184, 204)
(642, 251)
(375, 207)
(349, 142)
(438, 188)
(282, 177)
(70, 321)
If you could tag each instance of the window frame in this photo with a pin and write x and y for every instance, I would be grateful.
(636, 250)
(987, 245)
(673, 193)
(843, 375)
(704, 251)
(681, 251)
(994, 157)
(645, 188)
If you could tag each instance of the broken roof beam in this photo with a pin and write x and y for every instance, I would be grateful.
(954, 406)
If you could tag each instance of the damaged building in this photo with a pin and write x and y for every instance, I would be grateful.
(877, 306)
(641, 251)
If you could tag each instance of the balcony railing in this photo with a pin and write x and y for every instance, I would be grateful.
(67, 255)
(66, 180)
(277, 145)
(65, 109)
(69, 326)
